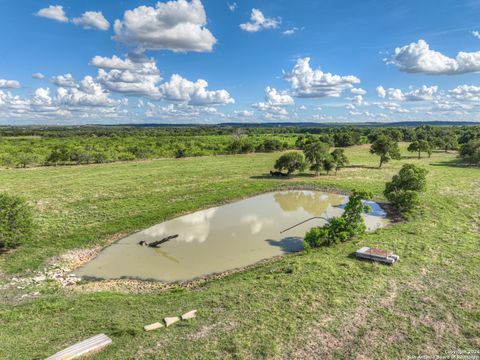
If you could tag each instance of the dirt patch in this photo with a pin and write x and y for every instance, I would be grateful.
(205, 331)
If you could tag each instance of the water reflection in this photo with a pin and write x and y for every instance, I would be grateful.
(313, 202)
(255, 223)
(221, 238)
(196, 227)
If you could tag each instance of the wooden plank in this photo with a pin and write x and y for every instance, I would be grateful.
(171, 320)
(93, 344)
(153, 326)
(189, 315)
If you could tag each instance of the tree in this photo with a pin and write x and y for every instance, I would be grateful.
(180, 152)
(291, 161)
(16, 221)
(25, 159)
(316, 153)
(420, 146)
(329, 163)
(340, 159)
(270, 145)
(447, 141)
(343, 228)
(343, 139)
(59, 154)
(403, 190)
(386, 148)
(470, 152)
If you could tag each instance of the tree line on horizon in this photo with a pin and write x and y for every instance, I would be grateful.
(22, 147)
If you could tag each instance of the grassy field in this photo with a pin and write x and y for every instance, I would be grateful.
(323, 304)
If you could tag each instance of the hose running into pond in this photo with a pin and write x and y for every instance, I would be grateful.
(300, 223)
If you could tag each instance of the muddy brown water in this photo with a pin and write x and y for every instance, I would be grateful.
(222, 238)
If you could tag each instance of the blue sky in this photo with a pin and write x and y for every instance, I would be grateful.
(247, 61)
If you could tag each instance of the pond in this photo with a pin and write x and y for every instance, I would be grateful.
(222, 238)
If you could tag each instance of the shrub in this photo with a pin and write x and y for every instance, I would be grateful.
(291, 161)
(16, 221)
(403, 190)
(343, 228)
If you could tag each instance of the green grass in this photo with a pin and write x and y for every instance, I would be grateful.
(322, 304)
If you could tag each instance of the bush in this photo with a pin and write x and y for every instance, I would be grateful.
(403, 190)
(16, 221)
(343, 228)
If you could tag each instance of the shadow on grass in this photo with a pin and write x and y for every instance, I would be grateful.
(292, 176)
(288, 244)
(453, 163)
(360, 166)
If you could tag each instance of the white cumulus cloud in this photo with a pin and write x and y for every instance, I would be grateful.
(92, 20)
(9, 84)
(381, 91)
(466, 92)
(358, 91)
(135, 75)
(419, 58)
(113, 62)
(88, 93)
(38, 76)
(54, 12)
(258, 22)
(424, 93)
(65, 80)
(185, 91)
(278, 98)
(309, 83)
(176, 25)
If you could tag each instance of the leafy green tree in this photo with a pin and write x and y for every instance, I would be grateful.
(329, 163)
(470, 152)
(16, 221)
(447, 141)
(290, 161)
(270, 145)
(235, 146)
(340, 159)
(59, 154)
(316, 153)
(386, 148)
(404, 188)
(343, 228)
(180, 152)
(343, 139)
(420, 146)
(25, 159)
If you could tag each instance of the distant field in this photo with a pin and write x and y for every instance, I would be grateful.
(322, 304)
